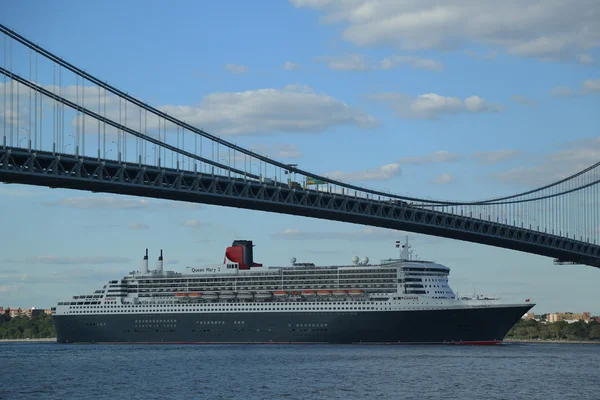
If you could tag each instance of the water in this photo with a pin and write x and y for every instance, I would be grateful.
(511, 371)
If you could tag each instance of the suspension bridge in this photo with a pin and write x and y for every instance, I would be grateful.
(65, 128)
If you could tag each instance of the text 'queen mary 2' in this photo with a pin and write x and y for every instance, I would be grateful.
(239, 301)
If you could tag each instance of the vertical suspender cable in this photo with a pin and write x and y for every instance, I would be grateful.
(83, 116)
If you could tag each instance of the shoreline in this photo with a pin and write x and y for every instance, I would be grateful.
(45, 340)
(551, 341)
(53, 340)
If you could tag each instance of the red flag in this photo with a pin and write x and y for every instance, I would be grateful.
(527, 300)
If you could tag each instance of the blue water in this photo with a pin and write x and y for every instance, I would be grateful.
(510, 371)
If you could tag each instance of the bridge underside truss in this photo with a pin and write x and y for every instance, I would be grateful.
(84, 173)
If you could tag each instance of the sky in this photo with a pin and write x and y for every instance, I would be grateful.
(461, 100)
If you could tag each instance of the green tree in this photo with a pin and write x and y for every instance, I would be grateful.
(40, 326)
(556, 329)
(594, 332)
(533, 332)
(576, 331)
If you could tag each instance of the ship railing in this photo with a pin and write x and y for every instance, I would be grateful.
(477, 296)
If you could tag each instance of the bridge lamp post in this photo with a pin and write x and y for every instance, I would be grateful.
(74, 141)
(148, 155)
(388, 192)
(431, 200)
(535, 221)
(117, 146)
(291, 173)
(25, 137)
(259, 171)
(228, 166)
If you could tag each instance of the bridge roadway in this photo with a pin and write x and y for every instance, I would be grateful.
(86, 173)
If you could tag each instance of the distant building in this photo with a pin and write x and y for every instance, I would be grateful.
(569, 317)
(587, 316)
(34, 312)
(529, 316)
(17, 312)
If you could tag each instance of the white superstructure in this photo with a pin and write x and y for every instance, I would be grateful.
(394, 284)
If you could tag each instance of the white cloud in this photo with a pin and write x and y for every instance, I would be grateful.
(139, 226)
(493, 157)
(413, 61)
(435, 157)
(119, 203)
(442, 179)
(360, 62)
(106, 202)
(69, 260)
(287, 151)
(431, 105)
(490, 55)
(278, 150)
(235, 68)
(585, 59)
(573, 157)
(295, 108)
(21, 191)
(292, 109)
(546, 30)
(589, 86)
(385, 172)
(366, 234)
(352, 62)
(523, 100)
(5, 288)
(530, 176)
(65, 276)
(584, 152)
(290, 66)
(564, 91)
(195, 223)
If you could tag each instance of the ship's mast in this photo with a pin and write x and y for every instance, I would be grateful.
(406, 253)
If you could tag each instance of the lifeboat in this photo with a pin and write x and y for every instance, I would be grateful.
(357, 293)
(210, 295)
(263, 295)
(195, 294)
(324, 292)
(308, 293)
(227, 295)
(245, 295)
(280, 293)
(340, 293)
(181, 295)
(296, 293)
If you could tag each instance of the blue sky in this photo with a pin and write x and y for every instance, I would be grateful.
(458, 102)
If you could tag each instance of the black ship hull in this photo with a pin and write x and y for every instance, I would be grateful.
(473, 325)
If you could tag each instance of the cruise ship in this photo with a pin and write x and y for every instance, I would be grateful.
(239, 301)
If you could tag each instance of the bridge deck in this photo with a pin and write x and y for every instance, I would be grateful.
(84, 173)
